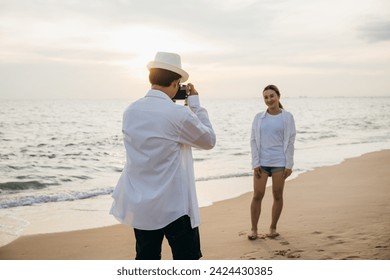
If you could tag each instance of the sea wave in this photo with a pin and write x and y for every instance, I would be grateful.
(39, 199)
(225, 176)
(19, 186)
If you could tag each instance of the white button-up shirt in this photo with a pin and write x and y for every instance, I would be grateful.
(157, 184)
(288, 138)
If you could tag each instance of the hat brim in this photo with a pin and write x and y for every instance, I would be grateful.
(155, 64)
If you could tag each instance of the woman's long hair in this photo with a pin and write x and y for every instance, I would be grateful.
(275, 89)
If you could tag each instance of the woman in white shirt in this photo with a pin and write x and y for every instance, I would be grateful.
(272, 146)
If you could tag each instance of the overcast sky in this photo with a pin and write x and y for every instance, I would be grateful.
(231, 48)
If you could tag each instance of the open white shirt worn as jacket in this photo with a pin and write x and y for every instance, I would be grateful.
(157, 184)
(288, 139)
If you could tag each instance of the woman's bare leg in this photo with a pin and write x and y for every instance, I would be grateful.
(258, 194)
(277, 191)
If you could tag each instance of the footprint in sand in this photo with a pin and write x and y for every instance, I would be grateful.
(334, 239)
(281, 252)
(288, 253)
(351, 258)
(381, 247)
(331, 237)
(253, 255)
(249, 256)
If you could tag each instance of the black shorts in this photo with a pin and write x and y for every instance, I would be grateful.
(182, 238)
(270, 170)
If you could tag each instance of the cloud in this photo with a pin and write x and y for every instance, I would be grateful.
(221, 42)
(375, 31)
(62, 80)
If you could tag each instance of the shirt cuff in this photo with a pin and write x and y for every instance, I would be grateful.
(193, 101)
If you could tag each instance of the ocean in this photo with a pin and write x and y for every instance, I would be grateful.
(53, 151)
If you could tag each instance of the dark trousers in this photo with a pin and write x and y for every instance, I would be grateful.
(183, 240)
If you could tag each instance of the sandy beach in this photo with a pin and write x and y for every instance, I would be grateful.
(336, 212)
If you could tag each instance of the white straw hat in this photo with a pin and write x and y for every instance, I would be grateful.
(169, 61)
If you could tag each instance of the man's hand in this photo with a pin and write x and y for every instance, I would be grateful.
(191, 89)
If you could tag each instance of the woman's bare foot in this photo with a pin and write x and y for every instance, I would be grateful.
(253, 235)
(272, 233)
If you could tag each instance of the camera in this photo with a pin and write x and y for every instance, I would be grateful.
(181, 93)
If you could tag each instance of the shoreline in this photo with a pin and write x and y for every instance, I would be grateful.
(332, 212)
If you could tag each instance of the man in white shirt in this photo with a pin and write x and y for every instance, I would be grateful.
(156, 191)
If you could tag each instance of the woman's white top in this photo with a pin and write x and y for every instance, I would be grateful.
(157, 184)
(271, 141)
(257, 135)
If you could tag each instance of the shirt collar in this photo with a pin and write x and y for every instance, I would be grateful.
(158, 94)
(263, 114)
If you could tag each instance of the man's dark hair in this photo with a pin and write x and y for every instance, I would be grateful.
(162, 77)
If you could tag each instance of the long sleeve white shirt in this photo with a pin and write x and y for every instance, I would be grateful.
(157, 184)
(288, 138)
